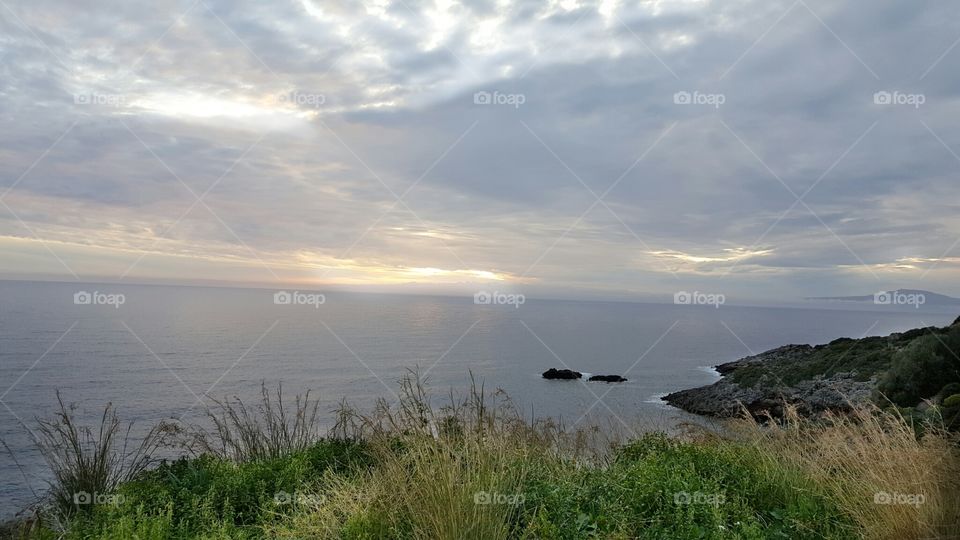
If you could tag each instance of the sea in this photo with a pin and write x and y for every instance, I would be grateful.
(159, 352)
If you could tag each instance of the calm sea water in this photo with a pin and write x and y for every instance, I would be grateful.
(154, 356)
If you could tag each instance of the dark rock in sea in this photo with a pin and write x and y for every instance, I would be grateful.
(607, 378)
(563, 374)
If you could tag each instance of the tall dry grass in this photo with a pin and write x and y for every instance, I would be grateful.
(436, 468)
(895, 483)
(86, 463)
(270, 428)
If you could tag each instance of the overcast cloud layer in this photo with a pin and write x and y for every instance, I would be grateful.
(539, 146)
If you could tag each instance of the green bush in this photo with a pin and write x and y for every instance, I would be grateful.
(921, 368)
(952, 401)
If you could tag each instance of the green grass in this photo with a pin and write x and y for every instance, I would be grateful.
(211, 497)
(478, 470)
(639, 493)
(660, 488)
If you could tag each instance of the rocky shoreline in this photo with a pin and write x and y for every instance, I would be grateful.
(840, 392)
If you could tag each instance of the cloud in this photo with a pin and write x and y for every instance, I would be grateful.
(300, 123)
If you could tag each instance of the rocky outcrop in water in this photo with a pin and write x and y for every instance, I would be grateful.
(607, 378)
(767, 392)
(561, 374)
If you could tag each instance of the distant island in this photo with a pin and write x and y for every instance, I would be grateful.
(914, 370)
(898, 296)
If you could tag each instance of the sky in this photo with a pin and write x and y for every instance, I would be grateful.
(610, 149)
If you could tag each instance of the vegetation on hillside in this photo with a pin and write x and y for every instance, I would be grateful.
(909, 367)
(477, 469)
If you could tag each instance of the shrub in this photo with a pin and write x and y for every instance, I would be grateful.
(919, 370)
(87, 465)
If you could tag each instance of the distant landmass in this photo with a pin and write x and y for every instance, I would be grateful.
(898, 296)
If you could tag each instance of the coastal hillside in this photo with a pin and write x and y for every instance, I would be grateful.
(917, 370)
(479, 470)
